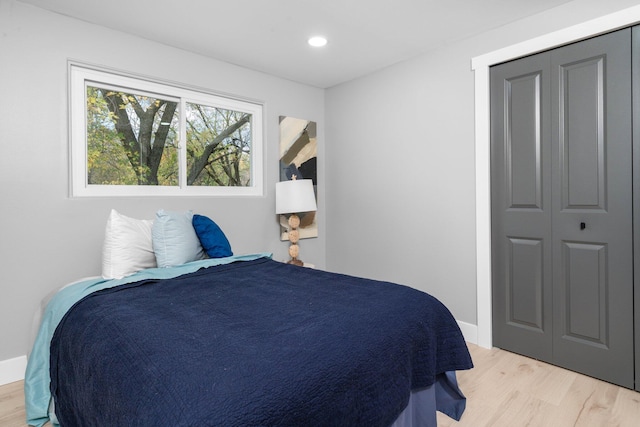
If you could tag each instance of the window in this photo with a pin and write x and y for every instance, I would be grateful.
(136, 137)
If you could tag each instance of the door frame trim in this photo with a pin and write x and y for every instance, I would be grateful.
(480, 65)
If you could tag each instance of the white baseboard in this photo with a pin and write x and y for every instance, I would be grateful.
(12, 370)
(469, 331)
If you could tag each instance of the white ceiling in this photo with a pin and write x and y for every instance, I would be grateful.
(271, 35)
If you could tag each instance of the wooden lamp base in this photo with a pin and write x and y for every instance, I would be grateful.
(294, 236)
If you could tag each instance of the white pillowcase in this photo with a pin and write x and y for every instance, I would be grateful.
(175, 241)
(128, 246)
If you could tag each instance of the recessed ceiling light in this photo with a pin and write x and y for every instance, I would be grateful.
(317, 41)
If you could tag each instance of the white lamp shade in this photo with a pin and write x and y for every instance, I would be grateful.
(295, 196)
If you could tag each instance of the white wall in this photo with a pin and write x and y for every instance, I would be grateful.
(400, 174)
(401, 164)
(48, 239)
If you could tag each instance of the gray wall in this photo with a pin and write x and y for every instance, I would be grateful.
(48, 239)
(397, 175)
(400, 163)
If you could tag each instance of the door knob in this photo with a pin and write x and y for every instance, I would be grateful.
(583, 226)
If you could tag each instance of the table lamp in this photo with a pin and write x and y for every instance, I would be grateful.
(294, 197)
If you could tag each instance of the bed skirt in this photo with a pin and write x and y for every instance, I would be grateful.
(443, 396)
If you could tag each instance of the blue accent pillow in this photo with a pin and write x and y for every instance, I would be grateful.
(174, 239)
(211, 237)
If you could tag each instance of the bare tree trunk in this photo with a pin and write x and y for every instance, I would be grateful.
(200, 162)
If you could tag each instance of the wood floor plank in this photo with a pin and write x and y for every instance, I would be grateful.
(627, 406)
(12, 412)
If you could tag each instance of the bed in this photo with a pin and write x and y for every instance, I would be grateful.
(244, 341)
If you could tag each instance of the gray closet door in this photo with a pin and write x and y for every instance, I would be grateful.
(563, 261)
(635, 66)
(592, 199)
(521, 206)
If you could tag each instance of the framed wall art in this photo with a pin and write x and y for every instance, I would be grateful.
(298, 156)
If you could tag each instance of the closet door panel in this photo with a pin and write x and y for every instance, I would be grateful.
(584, 316)
(521, 207)
(592, 215)
(581, 142)
(524, 307)
(522, 141)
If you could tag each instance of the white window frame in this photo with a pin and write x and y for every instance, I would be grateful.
(81, 75)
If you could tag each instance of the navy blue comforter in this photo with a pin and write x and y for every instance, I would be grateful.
(254, 343)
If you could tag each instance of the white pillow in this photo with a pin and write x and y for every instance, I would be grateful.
(128, 246)
(175, 241)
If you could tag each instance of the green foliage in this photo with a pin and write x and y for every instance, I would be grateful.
(133, 139)
(107, 162)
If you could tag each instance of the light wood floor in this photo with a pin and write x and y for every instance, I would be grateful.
(503, 389)
(508, 390)
(12, 405)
